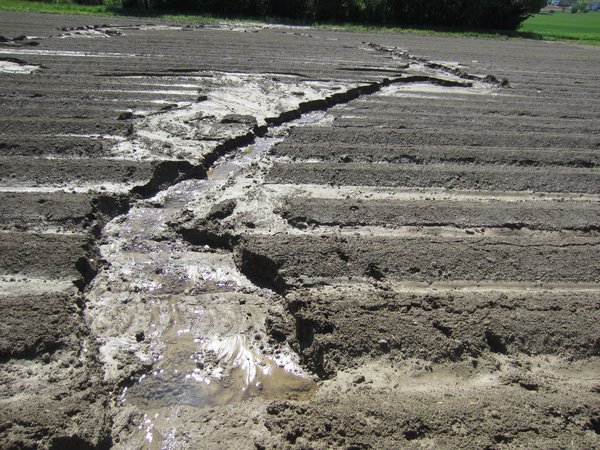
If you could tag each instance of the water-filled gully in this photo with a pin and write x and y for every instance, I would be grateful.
(203, 320)
(186, 313)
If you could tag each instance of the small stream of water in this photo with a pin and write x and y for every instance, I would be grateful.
(194, 316)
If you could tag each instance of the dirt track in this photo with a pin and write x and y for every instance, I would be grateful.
(417, 265)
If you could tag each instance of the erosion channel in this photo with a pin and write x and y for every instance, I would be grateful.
(263, 236)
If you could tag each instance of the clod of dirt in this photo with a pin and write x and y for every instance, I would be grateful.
(221, 210)
(593, 423)
(127, 115)
(358, 379)
(525, 380)
(243, 119)
(207, 231)
(277, 327)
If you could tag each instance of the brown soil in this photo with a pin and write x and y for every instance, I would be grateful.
(417, 266)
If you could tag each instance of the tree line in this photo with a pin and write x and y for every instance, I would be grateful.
(483, 14)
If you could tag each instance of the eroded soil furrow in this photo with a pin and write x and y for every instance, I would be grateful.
(98, 108)
(65, 126)
(510, 101)
(397, 399)
(67, 212)
(50, 145)
(440, 176)
(434, 326)
(489, 138)
(417, 259)
(143, 178)
(57, 325)
(504, 105)
(353, 213)
(468, 124)
(438, 154)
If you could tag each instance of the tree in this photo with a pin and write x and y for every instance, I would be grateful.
(495, 14)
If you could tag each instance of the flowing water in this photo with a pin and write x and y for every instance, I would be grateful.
(189, 313)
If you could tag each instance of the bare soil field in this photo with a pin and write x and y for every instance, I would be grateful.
(260, 236)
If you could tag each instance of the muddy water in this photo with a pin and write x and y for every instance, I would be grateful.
(187, 312)
(214, 372)
(202, 361)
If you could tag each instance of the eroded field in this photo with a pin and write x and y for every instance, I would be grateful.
(274, 237)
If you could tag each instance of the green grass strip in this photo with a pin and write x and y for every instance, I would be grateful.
(584, 27)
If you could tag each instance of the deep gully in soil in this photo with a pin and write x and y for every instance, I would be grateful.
(181, 325)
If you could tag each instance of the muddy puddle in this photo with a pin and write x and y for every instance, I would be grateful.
(215, 371)
(196, 324)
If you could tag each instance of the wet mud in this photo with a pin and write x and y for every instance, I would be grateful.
(283, 237)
